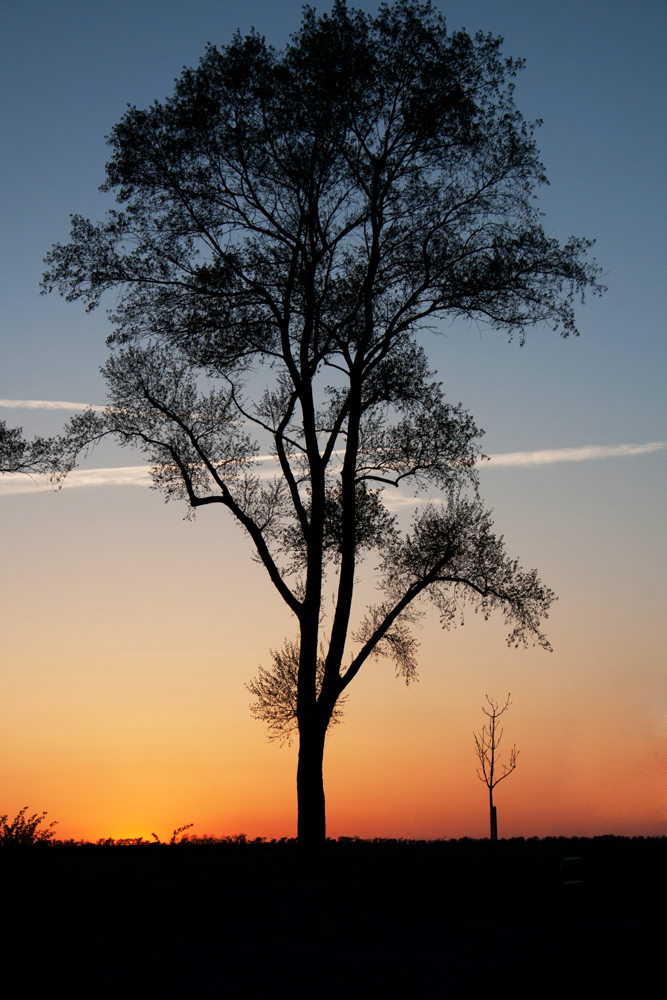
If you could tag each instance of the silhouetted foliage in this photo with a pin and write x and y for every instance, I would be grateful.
(275, 691)
(180, 830)
(486, 747)
(23, 831)
(301, 216)
(19, 455)
(144, 841)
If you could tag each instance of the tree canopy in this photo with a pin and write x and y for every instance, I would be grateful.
(296, 219)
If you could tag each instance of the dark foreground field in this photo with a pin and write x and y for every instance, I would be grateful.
(390, 920)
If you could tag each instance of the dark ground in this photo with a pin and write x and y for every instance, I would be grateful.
(384, 920)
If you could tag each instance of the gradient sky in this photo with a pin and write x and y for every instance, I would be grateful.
(128, 633)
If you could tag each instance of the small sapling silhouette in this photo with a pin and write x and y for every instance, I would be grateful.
(486, 746)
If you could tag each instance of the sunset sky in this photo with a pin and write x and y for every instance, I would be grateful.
(128, 633)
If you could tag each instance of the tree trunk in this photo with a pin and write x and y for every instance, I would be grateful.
(310, 797)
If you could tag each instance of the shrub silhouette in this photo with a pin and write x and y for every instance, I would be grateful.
(23, 830)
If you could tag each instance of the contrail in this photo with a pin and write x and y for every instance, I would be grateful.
(139, 475)
(48, 404)
(582, 454)
(512, 458)
(128, 475)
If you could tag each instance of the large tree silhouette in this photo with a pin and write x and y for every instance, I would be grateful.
(295, 219)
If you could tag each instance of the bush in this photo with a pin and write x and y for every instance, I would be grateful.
(23, 830)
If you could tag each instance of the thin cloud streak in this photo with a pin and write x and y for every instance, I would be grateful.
(582, 454)
(48, 404)
(513, 458)
(139, 475)
(128, 475)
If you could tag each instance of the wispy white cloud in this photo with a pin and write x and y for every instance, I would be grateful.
(582, 454)
(129, 475)
(513, 458)
(47, 404)
(139, 475)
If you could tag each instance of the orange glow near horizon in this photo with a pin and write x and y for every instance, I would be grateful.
(402, 763)
(124, 711)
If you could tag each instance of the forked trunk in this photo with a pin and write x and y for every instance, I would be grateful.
(310, 798)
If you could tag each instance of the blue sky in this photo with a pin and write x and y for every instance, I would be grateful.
(595, 74)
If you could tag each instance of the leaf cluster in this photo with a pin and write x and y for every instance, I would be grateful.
(31, 457)
(275, 691)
